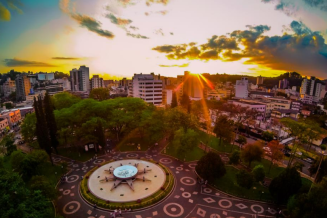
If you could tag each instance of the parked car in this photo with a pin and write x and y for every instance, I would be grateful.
(21, 142)
(309, 160)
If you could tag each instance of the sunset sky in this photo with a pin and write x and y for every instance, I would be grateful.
(167, 37)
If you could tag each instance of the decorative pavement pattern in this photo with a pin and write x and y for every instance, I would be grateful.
(188, 198)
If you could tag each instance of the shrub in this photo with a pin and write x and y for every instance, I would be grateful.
(259, 173)
(244, 179)
(285, 185)
(235, 157)
(210, 167)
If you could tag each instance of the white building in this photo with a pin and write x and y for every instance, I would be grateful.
(9, 87)
(241, 88)
(80, 79)
(311, 90)
(147, 87)
(96, 82)
(45, 76)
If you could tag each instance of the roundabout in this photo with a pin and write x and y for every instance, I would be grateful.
(133, 183)
(147, 188)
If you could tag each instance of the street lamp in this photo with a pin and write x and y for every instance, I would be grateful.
(267, 211)
(322, 157)
(261, 195)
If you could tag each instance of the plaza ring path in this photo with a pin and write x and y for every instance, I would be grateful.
(200, 204)
(123, 193)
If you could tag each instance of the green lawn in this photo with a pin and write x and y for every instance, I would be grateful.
(213, 142)
(76, 154)
(192, 155)
(130, 144)
(228, 184)
(274, 171)
(52, 173)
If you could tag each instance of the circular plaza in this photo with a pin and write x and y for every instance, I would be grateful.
(129, 180)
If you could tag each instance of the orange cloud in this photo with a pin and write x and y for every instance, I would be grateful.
(303, 51)
(4, 13)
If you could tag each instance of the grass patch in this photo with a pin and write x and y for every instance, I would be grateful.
(213, 142)
(52, 173)
(192, 155)
(76, 154)
(274, 171)
(156, 197)
(228, 184)
(130, 144)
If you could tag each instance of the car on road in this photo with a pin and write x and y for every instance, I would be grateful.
(21, 142)
(309, 160)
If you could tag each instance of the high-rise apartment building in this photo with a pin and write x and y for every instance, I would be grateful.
(96, 82)
(259, 80)
(79, 79)
(192, 85)
(9, 87)
(241, 88)
(283, 84)
(23, 87)
(147, 87)
(311, 90)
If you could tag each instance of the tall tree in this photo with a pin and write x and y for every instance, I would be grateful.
(211, 167)
(285, 185)
(223, 128)
(41, 128)
(100, 94)
(50, 121)
(188, 141)
(298, 131)
(28, 128)
(174, 102)
(252, 152)
(186, 102)
(100, 135)
(276, 152)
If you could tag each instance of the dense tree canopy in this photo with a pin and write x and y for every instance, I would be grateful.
(285, 185)
(310, 205)
(211, 167)
(252, 152)
(99, 94)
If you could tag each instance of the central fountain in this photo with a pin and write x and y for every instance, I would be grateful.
(126, 180)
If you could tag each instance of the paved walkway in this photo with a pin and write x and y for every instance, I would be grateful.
(188, 198)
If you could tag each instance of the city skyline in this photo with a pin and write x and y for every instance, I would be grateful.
(123, 37)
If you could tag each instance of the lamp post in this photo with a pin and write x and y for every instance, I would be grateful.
(267, 211)
(261, 194)
(322, 157)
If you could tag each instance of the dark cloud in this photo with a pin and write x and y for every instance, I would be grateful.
(163, 12)
(85, 21)
(126, 2)
(117, 20)
(5, 5)
(149, 2)
(21, 63)
(134, 28)
(66, 58)
(92, 25)
(303, 51)
(321, 4)
(288, 7)
(299, 28)
(175, 65)
(159, 32)
(138, 36)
